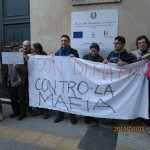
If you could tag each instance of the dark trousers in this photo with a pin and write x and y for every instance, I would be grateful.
(18, 99)
(0, 106)
(61, 114)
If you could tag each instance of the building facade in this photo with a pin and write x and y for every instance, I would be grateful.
(51, 19)
(45, 21)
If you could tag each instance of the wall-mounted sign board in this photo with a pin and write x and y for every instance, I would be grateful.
(87, 2)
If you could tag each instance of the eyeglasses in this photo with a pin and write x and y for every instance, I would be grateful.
(117, 43)
(141, 43)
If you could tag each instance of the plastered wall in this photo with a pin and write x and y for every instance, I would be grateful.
(52, 18)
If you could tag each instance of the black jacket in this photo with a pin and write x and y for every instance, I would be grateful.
(98, 58)
(115, 56)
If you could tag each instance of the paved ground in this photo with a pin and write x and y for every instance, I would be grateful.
(34, 133)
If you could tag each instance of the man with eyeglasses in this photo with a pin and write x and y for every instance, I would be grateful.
(119, 56)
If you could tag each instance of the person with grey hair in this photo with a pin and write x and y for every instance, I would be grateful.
(26, 47)
(142, 44)
(142, 52)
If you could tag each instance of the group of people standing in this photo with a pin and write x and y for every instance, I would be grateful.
(17, 75)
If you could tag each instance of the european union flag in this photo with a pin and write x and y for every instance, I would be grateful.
(77, 34)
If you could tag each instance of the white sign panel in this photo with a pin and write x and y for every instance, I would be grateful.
(12, 58)
(87, 88)
(99, 26)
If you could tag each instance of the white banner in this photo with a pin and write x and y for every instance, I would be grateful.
(88, 88)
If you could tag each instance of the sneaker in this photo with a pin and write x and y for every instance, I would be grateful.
(46, 114)
(59, 118)
(36, 112)
(96, 124)
(21, 117)
(131, 122)
(73, 119)
(13, 115)
(29, 110)
(117, 122)
(1, 117)
(87, 120)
